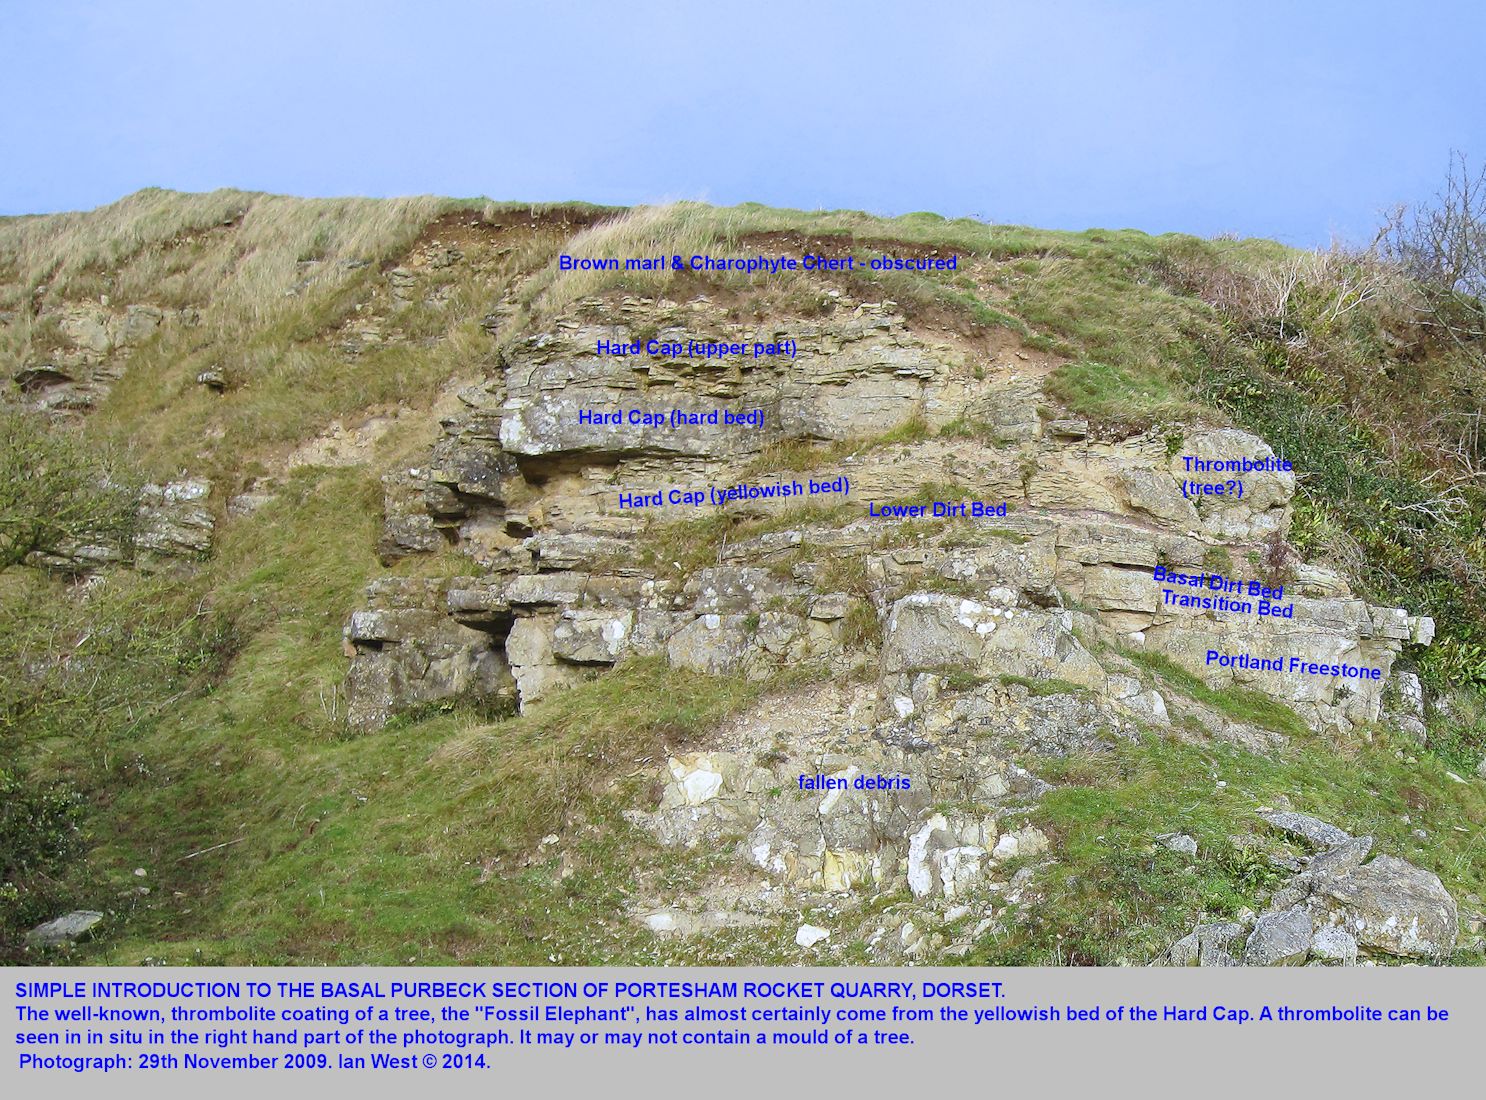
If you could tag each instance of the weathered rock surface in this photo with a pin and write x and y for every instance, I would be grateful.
(173, 524)
(1178, 842)
(1392, 906)
(1334, 945)
(1279, 939)
(933, 632)
(1215, 944)
(838, 807)
(1342, 859)
(527, 480)
(1313, 831)
(408, 651)
(1339, 908)
(64, 929)
(1263, 507)
(93, 341)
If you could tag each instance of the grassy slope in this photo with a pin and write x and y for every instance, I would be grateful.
(273, 278)
(381, 848)
(365, 848)
(1114, 896)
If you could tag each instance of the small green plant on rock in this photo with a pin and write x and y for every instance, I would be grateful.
(862, 628)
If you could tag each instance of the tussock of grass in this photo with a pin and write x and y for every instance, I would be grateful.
(1050, 686)
(964, 427)
(271, 281)
(686, 229)
(912, 430)
(863, 627)
(1241, 704)
(236, 249)
(844, 573)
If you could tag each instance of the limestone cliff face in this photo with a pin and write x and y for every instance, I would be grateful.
(949, 647)
(535, 481)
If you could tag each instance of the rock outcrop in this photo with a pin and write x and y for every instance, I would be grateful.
(534, 482)
(589, 494)
(1340, 908)
(421, 644)
(68, 928)
(823, 797)
(87, 352)
(970, 582)
(173, 523)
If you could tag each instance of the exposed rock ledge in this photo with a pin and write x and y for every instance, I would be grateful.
(561, 587)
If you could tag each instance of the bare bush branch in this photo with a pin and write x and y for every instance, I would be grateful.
(1442, 247)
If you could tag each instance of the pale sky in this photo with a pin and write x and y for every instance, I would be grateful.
(1293, 120)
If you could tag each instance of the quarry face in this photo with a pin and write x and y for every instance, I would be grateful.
(898, 515)
(948, 589)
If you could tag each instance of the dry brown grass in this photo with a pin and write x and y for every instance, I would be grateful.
(271, 281)
(240, 250)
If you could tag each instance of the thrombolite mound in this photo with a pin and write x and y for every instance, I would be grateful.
(928, 687)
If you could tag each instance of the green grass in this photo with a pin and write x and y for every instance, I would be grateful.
(353, 849)
(1040, 688)
(410, 844)
(1352, 495)
(286, 391)
(1377, 415)
(1218, 559)
(1113, 897)
(488, 794)
(1126, 334)
(1102, 392)
(1241, 704)
(963, 427)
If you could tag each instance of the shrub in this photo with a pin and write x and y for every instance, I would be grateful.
(53, 490)
(40, 833)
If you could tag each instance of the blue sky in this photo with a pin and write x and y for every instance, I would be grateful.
(1294, 120)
